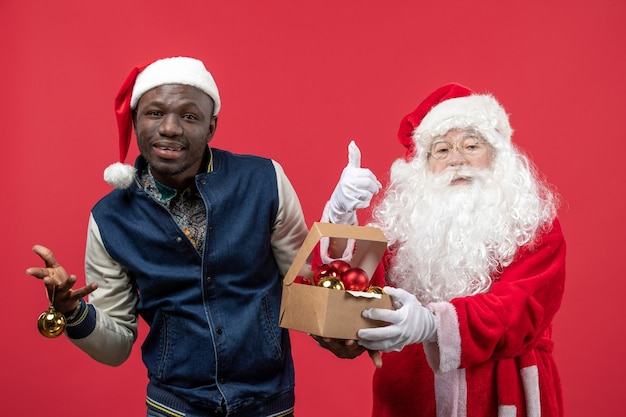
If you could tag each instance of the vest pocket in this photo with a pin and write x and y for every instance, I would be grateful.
(270, 323)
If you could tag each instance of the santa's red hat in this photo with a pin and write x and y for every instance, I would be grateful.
(452, 106)
(175, 70)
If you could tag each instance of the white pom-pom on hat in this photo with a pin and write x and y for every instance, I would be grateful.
(120, 175)
(175, 70)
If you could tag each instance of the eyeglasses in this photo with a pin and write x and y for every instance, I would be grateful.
(469, 145)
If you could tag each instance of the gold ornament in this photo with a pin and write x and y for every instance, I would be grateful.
(375, 290)
(332, 283)
(51, 323)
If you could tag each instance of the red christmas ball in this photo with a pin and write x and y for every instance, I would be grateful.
(324, 271)
(355, 279)
(341, 266)
(302, 280)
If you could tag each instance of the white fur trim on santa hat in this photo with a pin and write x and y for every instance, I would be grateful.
(120, 175)
(176, 70)
(478, 111)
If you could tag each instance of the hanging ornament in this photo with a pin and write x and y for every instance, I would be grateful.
(51, 323)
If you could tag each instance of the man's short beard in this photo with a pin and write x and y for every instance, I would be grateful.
(169, 172)
(448, 240)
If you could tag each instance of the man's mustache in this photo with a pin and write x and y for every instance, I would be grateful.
(456, 173)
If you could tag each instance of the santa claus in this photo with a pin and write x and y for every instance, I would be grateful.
(475, 267)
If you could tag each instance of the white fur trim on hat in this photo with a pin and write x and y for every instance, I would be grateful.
(480, 111)
(176, 70)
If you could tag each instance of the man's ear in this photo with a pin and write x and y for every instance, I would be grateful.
(212, 129)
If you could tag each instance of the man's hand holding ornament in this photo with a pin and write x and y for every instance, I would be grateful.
(355, 190)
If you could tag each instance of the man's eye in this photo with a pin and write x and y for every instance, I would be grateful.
(471, 144)
(189, 116)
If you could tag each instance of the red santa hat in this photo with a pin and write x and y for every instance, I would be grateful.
(175, 70)
(452, 106)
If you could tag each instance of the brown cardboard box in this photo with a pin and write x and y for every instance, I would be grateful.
(328, 312)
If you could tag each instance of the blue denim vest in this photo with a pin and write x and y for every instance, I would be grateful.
(214, 340)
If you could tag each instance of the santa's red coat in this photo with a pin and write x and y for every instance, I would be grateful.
(494, 353)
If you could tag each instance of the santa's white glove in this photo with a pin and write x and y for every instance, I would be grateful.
(355, 189)
(410, 323)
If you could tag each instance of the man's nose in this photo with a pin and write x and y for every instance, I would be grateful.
(170, 126)
(455, 157)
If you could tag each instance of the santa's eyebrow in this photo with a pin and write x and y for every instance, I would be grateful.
(472, 134)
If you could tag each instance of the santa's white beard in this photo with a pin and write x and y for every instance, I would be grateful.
(453, 240)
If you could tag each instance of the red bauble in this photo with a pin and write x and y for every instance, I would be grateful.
(355, 279)
(302, 280)
(341, 266)
(324, 271)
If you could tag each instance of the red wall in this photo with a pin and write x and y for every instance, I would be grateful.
(299, 80)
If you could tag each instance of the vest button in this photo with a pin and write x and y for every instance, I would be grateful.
(209, 279)
(179, 239)
(218, 330)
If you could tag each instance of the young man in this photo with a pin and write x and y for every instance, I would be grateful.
(195, 240)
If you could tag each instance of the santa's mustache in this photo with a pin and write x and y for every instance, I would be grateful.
(454, 173)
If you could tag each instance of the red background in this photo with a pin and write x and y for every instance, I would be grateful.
(299, 80)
